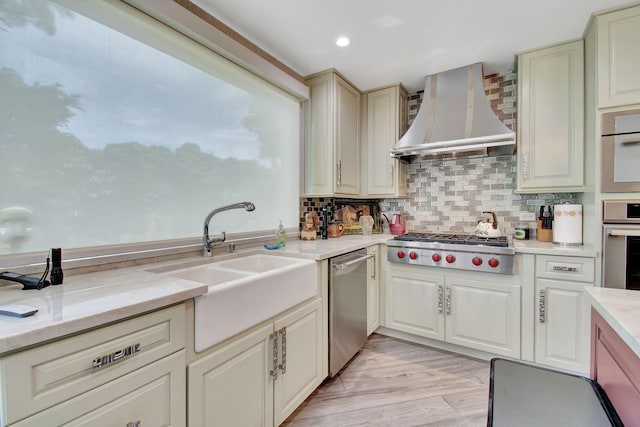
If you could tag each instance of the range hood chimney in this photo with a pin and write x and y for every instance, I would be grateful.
(455, 119)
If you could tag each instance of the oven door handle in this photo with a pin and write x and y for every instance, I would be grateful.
(623, 232)
(631, 141)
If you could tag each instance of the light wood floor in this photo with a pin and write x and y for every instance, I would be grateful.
(394, 383)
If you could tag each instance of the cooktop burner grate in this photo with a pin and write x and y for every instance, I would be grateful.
(456, 239)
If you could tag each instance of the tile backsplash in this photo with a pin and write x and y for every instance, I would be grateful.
(449, 195)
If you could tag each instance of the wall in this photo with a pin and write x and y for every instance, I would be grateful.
(449, 195)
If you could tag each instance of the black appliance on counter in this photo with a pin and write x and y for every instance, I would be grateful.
(456, 251)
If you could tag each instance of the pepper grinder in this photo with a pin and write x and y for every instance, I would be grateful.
(56, 266)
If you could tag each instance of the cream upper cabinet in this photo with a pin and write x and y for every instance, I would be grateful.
(332, 136)
(551, 119)
(618, 41)
(386, 122)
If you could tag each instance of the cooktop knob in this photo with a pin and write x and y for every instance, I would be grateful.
(476, 261)
(450, 259)
(494, 263)
(400, 254)
(413, 255)
(436, 257)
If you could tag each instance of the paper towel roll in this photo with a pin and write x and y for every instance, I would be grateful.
(567, 224)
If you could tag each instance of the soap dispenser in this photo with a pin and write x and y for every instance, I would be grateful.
(281, 234)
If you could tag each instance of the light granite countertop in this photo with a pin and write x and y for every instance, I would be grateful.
(548, 248)
(86, 301)
(89, 300)
(621, 309)
(323, 249)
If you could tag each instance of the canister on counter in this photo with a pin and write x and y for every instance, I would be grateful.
(521, 232)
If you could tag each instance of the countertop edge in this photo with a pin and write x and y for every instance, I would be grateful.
(59, 330)
(547, 248)
(614, 314)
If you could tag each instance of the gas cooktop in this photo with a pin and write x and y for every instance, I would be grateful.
(454, 239)
(457, 251)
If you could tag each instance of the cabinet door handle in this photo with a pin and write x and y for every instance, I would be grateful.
(448, 299)
(373, 266)
(541, 305)
(134, 424)
(339, 173)
(391, 171)
(525, 165)
(283, 348)
(274, 353)
(440, 298)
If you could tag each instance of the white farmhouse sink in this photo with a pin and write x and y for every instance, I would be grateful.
(246, 291)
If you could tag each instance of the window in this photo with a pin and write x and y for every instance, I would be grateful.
(117, 129)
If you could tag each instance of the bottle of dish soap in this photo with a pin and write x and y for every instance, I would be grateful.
(282, 235)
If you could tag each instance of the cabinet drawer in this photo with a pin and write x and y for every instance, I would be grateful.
(575, 269)
(151, 396)
(36, 379)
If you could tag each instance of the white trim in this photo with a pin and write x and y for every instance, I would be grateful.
(100, 255)
(182, 20)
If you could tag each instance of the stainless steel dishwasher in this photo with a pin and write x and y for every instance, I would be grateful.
(347, 307)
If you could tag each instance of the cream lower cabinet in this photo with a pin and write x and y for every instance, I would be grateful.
(459, 310)
(373, 290)
(262, 377)
(561, 336)
(562, 314)
(131, 373)
(550, 119)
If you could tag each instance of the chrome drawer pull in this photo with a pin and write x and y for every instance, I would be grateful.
(110, 358)
(541, 306)
(134, 423)
(283, 365)
(439, 298)
(274, 353)
(448, 299)
(566, 269)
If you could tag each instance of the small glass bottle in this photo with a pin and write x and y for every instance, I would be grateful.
(281, 234)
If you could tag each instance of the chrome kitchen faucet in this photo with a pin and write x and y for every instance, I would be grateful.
(208, 242)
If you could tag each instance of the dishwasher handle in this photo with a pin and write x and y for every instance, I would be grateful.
(345, 265)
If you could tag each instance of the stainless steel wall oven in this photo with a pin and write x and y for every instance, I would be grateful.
(621, 244)
(620, 151)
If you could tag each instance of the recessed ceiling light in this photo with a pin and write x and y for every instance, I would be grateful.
(343, 41)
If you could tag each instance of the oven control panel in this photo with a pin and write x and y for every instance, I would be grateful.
(462, 260)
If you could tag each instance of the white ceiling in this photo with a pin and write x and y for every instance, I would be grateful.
(402, 40)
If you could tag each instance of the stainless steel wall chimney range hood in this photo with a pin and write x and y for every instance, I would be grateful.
(455, 119)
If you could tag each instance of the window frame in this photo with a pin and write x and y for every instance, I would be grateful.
(182, 22)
